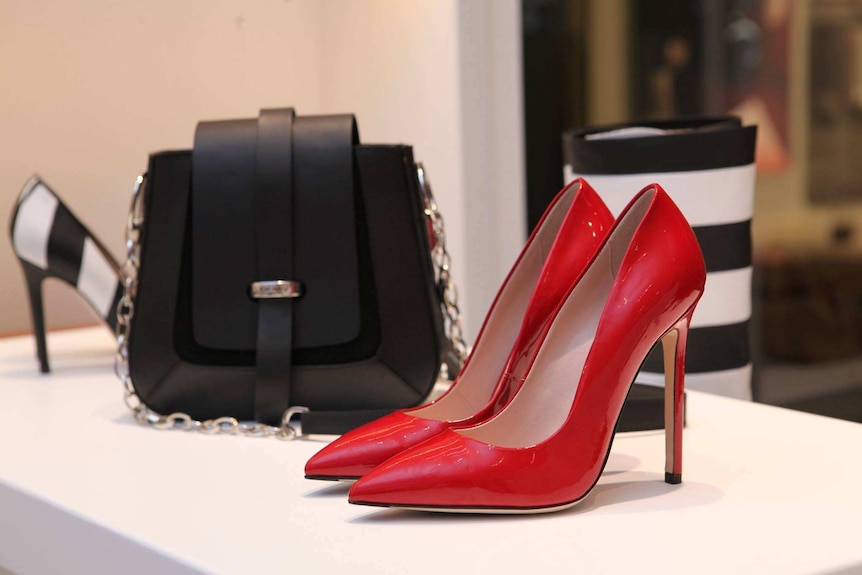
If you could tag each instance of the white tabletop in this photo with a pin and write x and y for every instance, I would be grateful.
(83, 489)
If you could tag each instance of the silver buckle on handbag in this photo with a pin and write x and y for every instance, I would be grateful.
(275, 289)
(290, 431)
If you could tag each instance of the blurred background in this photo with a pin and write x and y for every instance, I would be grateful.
(483, 89)
(794, 68)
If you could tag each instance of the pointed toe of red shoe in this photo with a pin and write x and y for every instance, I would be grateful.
(438, 474)
(453, 472)
(335, 465)
(357, 452)
(406, 479)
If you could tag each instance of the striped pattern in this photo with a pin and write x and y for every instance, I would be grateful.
(36, 209)
(711, 197)
(47, 235)
(97, 280)
(718, 202)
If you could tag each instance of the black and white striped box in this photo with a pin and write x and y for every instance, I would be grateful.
(707, 167)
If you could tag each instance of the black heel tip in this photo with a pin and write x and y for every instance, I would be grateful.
(673, 478)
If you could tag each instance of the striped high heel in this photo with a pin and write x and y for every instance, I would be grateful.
(51, 242)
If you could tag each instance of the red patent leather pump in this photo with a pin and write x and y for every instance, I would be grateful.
(570, 231)
(546, 449)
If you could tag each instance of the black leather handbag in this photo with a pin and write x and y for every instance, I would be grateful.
(282, 268)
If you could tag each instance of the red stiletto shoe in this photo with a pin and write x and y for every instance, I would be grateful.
(546, 449)
(570, 231)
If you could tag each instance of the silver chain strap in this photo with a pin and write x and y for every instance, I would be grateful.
(126, 312)
(442, 265)
(230, 425)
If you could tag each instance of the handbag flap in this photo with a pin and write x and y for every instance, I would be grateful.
(323, 233)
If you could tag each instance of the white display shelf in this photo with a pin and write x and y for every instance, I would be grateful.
(83, 489)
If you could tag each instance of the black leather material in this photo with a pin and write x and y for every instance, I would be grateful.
(392, 364)
(223, 231)
(223, 239)
(337, 422)
(259, 189)
(325, 222)
(274, 223)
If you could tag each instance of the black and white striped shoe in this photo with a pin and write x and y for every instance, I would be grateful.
(707, 166)
(51, 242)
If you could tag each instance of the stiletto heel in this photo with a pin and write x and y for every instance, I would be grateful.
(673, 345)
(51, 242)
(34, 277)
(573, 226)
(547, 448)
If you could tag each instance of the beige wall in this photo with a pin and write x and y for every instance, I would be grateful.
(91, 87)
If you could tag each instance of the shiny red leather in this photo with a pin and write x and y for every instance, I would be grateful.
(660, 279)
(582, 230)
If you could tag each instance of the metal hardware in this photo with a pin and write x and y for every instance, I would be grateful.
(288, 415)
(442, 264)
(126, 312)
(275, 289)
